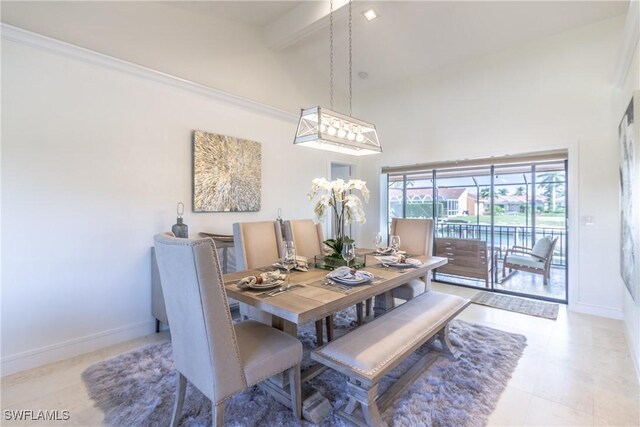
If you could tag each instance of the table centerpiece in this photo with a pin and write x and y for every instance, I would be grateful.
(340, 199)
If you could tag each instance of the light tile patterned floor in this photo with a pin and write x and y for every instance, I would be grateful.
(576, 371)
(522, 282)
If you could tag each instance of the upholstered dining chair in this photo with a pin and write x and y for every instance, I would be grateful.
(535, 260)
(256, 244)
(416, 238)
(216, 356)
(308, 238)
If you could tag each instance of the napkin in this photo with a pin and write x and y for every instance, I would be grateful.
(270, 277)
(393, 259)
(385, 251)
(301, 264)
(346, 273)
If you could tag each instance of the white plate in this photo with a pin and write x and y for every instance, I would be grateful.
(402, 265)
(261, 286)
(351, 282)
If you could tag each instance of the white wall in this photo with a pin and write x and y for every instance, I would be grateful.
(552, 93)
(200, 47)
(631, 308)
(94, 160)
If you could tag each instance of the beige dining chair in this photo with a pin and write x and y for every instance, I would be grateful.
(416, 239)
(256, 245)
(216, 356)
(308, 237)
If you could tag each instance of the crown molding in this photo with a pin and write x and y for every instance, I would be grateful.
(629, 43)
(301, 22)
(29, 38)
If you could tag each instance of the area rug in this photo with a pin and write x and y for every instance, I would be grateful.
(136, 388)
(547, 310)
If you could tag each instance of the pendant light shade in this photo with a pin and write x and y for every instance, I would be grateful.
(327, 130)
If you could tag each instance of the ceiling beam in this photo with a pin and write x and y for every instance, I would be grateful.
(300, 22)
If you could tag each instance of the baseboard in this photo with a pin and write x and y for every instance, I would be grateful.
(55, 352)
(632, 351)
(596, 310)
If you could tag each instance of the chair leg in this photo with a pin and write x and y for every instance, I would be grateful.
(368, 304)
(319, 334)
(177, 406)
(296, 391)
(359, 307)
(329, 321)
(217, 415)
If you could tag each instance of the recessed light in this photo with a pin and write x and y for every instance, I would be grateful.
(370, 15)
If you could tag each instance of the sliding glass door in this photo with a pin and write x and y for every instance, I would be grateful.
(492, 211)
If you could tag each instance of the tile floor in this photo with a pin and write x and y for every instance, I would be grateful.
(521, 282)
(576, 371)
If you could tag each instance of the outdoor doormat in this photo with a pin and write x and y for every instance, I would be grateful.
(548, 310)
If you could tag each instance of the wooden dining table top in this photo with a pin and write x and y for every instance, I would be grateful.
(314, 299)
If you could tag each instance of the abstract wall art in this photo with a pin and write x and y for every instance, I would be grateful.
(226, 173)
(629, 141)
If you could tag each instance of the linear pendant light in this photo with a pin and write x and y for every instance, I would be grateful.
(325, 129)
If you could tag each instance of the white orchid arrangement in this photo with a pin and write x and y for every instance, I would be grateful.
(347, 207)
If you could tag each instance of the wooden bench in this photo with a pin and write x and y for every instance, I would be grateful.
(371, 351)
(467, 258)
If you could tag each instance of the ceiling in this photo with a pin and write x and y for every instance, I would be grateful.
(258, 13)
(409, 39)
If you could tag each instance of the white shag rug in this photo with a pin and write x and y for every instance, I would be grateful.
(137, 388)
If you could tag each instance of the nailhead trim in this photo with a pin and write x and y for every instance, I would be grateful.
(386, 361)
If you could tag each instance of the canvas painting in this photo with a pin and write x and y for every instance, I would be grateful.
(630, 199)
(226, 173)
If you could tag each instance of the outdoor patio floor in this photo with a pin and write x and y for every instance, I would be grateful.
(520, 282)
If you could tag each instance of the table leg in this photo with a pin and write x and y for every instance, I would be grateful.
(315, 407)
(383, 303)
(319, 333)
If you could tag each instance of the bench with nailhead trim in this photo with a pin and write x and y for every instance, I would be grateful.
(368, 353)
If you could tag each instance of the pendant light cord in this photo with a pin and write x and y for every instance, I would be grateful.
(331, 53)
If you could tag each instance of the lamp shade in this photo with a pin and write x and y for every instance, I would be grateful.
(327, 130)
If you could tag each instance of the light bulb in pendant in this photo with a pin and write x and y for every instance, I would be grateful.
(351, 136)
(331, 131)
(342, 133)
(359, 137)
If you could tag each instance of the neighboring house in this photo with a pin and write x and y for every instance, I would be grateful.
(452, 201)
(513, 203)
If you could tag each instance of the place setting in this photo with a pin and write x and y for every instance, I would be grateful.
(392, 256)
(346, 279)
(273, 281)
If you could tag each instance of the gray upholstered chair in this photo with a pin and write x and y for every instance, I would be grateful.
(535, 260)
(216, 356)
(416, 238)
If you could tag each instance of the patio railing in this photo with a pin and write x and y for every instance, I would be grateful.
(506, 236)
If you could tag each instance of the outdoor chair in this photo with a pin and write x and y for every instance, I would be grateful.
(215, 355)
(536, 260)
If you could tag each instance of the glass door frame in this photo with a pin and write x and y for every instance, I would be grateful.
(494, 265)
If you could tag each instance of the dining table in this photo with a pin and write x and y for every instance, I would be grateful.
(312, 296)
